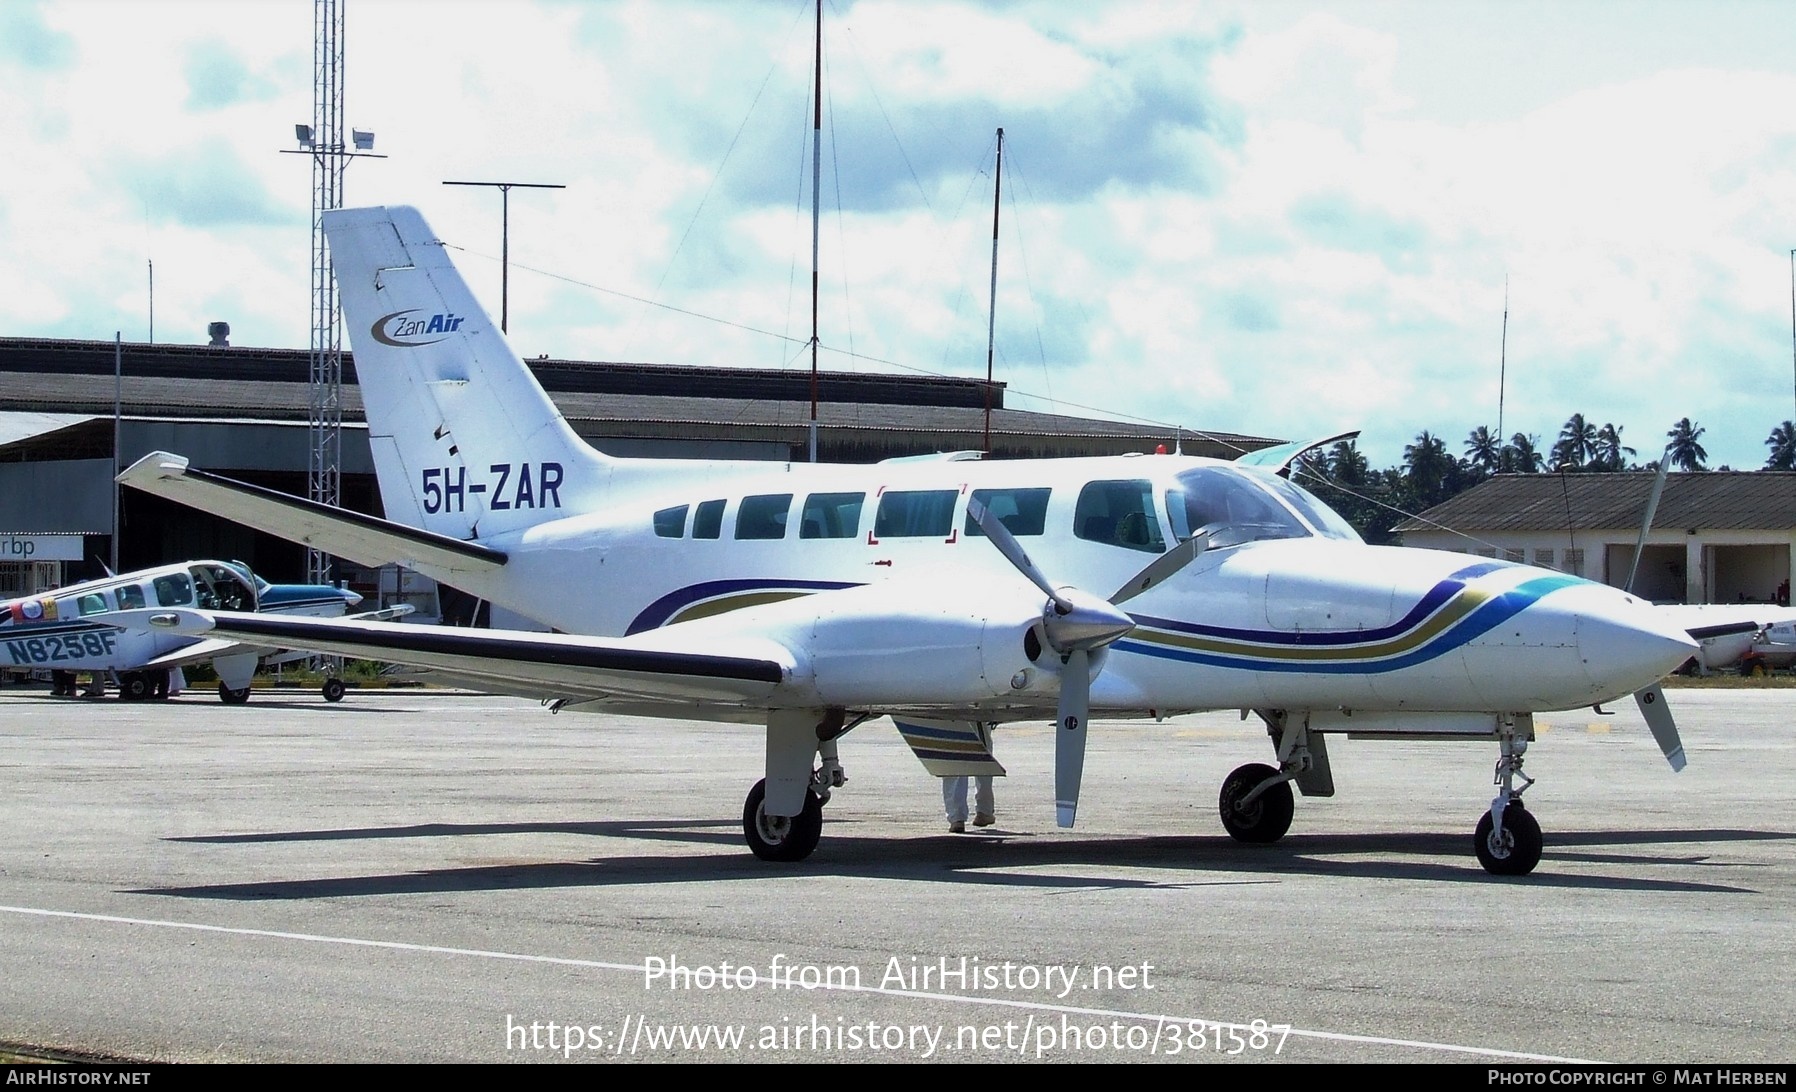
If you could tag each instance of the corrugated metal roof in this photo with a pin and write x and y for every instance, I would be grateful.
(1759, 500)
(597, 415)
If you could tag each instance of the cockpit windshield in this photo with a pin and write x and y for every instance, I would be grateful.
(1246, 507)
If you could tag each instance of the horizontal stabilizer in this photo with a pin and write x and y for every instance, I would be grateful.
(362, 539)
(547, 665)
(950, 748)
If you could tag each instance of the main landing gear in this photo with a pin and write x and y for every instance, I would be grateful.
(143, 685)
(1256, 802)
(795, 740)
(781, 837)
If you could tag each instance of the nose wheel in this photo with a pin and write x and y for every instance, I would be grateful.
(1512, 851)
(1508, 840)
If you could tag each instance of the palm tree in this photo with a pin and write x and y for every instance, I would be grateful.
(1483, 450)
(1685, 452)
(1577, 444)
(1610, 454)
(1782, 443)
(1522, 454)
(1347, 465)
(1431, 474)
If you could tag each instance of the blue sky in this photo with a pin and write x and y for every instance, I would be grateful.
(1284, 219)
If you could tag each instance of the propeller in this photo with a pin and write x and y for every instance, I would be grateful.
(1651, 699)
(1075, 623)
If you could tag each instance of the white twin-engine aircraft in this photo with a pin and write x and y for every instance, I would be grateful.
(949, 593)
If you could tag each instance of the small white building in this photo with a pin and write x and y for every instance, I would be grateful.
(1718, 536)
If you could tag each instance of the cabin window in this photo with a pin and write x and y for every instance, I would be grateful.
(916, 513)
(763, 516)
(1022, 511)
(707, 521)
(1119, 514)
(130, 597)
(831, 515)
(92, 603)
(671, 522)
(173, 590)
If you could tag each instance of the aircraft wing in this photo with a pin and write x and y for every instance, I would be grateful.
(223, 646)
(1725, 631)
(364, 540)
(545, 665)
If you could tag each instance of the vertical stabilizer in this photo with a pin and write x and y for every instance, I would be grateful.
(465, 441)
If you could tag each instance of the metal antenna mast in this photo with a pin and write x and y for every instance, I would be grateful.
(991, 321)
(323, 141)
(324, 476)
(816, 212)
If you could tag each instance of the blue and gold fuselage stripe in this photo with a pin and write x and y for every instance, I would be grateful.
(1450, 615)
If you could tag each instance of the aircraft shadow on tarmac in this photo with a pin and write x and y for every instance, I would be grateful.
(995, 857)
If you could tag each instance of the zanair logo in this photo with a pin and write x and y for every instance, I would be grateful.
(403, 330)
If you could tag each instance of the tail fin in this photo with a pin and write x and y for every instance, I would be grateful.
(465, 441)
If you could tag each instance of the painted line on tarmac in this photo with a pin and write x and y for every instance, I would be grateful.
(638, 969)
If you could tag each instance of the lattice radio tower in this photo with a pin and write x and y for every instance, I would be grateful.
(323, 141)
(324, 475)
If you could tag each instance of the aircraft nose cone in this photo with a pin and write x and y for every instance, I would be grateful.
(1628, 642)
(352, 598)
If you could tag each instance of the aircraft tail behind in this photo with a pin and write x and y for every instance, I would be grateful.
(466, 443)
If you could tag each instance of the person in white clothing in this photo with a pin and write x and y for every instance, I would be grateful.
(954, 800)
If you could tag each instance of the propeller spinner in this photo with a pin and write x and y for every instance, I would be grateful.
(1075, 623)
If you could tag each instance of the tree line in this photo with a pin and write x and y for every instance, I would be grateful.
(1374, 501)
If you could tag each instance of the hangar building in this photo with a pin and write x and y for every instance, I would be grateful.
(1718, 537)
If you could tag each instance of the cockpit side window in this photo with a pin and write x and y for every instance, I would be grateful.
(1119, 514)
(1318, 514)
(1225, 499)
(230, 591)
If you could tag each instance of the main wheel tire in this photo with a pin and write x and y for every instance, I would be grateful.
(1517, 851)
(162, 686)
(233, 697)
(778, 838)
(1269, 816)
(135, 686)
(333, 689)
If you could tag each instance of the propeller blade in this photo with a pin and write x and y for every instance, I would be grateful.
(1013, 552)
(1069, 734)
(1659, 719)
(1161, 568)
(1646, 524)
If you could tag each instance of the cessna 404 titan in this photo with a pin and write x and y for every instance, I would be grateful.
(950, 593)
